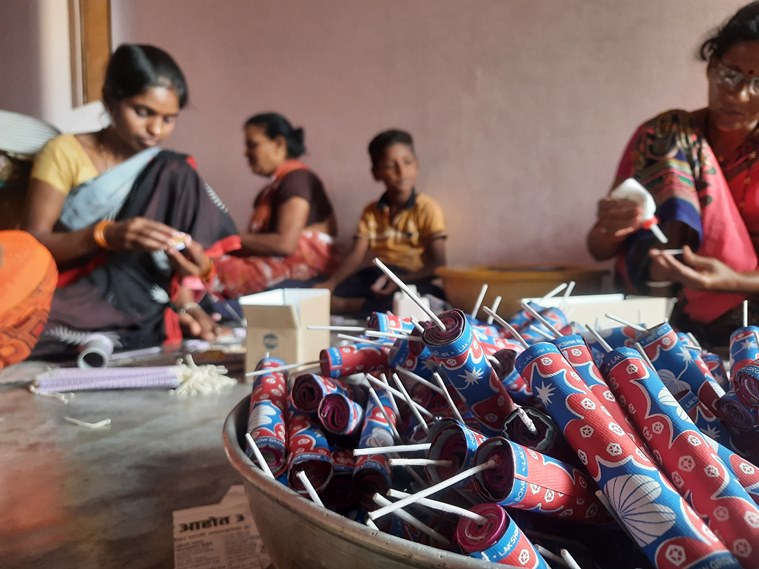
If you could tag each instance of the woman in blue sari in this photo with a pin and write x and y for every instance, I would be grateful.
(127, 222)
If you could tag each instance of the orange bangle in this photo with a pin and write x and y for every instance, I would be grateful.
(98, 233)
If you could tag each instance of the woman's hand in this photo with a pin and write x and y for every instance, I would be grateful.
(696, 271)
(190, 262)
(383, 286)
(140, 234)
(197, 323)
(618, 218)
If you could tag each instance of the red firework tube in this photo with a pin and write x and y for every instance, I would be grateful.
(528, 480)
(309, 389)
(340, 415)
(450, 440)
(498, 540)
(687, 457)
(341, 361)
(463, 362)
(746, 382)
(266, 420)
(338, 494)
(309, 451)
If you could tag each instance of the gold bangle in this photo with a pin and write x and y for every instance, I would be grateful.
(98, 233)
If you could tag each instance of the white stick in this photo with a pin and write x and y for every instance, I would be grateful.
(427, 310)
(536, 315)
(514, 334)
(494, 308)
(626, 322)
(745, 313)
(419, 379)
(693, 339)
(336, 328)
(259, 457)
(304, 365)
(416, 324)
(569, 290)
(60, 397)
(371, 524)
(371, 379)
(410, 402)
(309, 487)
(571, 563)
(381, 407)
(393, 336)
(361, 340)
(549, 554)
(411, 520)
(554, 292)
(542, 332)
(441, 506)
(86, 425)
(478, 302)
(419, 462)
(448, 397)
(527, 421)
(389, 333)
(644, 355)
(455, 479)
(604, 344)
(395, 448)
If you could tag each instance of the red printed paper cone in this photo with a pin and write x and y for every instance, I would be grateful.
(341, 361)
(266, 419)
(308, 451)
(450, 440)
(309, 389)
(528, 480)
(340, 415)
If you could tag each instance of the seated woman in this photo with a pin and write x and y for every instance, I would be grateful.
(290, 236)
(124, 219)
(701, 168)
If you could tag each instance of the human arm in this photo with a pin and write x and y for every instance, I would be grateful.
(292, 216)
(615, 221)
(349, 265)
(704, 273)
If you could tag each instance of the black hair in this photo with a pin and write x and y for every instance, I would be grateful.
(134, 68)
(386, 139)
(276, 125)
(742, 27)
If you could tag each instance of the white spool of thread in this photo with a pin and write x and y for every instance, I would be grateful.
(96, 351)
(633, 190)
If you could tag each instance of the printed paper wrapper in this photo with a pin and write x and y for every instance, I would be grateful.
(266, 418)
(675, 365)
(498, 540)
(338, 495)
(744, 348)
(716, 368)
(413, 356)
(528, 480)
(657, 518)
(450, 440)
(341, 361)
(736, 414)
(503, 365)
(685, 455)
(388, 322)
(308, 450)
(463, 363)
(340, 415)
(309, 389)
(746, 383)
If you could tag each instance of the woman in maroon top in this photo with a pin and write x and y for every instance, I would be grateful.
(291, 230)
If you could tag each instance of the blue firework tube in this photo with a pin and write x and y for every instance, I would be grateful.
(266, 419)
(308, 450)
(685, 455)
(413, 356)
(340, 361)
(675, 365)
(463, 362)
(498, 540)
(388, 322)
(657, 518)
(744, 348)
(717, 368)
(450, 440)
(528, 480)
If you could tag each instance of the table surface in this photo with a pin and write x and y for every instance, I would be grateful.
(71, 497)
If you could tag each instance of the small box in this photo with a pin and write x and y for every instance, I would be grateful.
(278, 322)
(404, 307)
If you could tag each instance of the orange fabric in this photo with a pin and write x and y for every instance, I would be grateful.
(262, 205)
(27, 278)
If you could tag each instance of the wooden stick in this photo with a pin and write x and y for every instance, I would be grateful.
(554, 292)
(604, 344)
(410, 402)
(455, 479)
(478, 302)
(419, 462)
(516, 335)
(494, 308)
(448, 397)
(420, 379)
(304, 365)
(395, 448)
(536, 315)
(309, 487)
(371, 379)
(259, 457)
(626, 322)
(392, 276)
(361, 340)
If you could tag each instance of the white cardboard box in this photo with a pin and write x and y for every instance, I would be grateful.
(278, 322)
(591, 309)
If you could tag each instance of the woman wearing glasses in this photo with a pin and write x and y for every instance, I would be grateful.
(701, 168)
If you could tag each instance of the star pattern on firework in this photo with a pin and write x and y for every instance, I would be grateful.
(686, 355)
(748, 344)
(712, 432)
(544, 393)
(471, 377)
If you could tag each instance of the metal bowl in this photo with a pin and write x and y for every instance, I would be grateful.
(299, 534)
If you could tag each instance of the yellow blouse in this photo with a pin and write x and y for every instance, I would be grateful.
(63, 164)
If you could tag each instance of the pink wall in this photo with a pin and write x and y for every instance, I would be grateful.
(520, 108)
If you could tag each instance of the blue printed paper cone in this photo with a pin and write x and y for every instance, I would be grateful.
(341, 361)
(308, 450)
(266, 419)
(657, 518)
(389, 322)
(464, 364)
(413, 356)
(686, 456)
(744, 347)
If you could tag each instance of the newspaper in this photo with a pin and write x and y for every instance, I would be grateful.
(219, 536)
